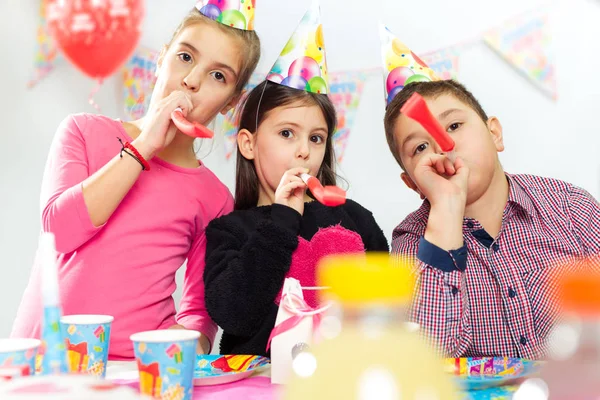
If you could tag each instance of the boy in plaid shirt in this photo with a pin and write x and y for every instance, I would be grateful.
(486, 241)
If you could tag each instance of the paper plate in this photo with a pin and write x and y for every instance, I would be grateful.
(219, 369)
(476, 373)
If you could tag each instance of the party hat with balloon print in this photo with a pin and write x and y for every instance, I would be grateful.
(235, 13)
(400, 65)
(302, 62)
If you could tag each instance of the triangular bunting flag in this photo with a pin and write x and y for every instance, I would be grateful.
(345, 89)
(46, 52)
(139, 77)
(443, 62)
(525, 42)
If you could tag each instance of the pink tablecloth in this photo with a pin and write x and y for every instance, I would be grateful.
(258, 388)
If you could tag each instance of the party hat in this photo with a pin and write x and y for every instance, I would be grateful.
(400, 65)
(235, 13)
(302, 63)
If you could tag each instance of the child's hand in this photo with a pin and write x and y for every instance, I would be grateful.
(158, 130)
(442, 182)
(291, 190)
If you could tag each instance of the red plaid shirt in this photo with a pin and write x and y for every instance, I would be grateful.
(492, 297)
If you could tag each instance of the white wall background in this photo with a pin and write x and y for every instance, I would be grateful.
(542, 137)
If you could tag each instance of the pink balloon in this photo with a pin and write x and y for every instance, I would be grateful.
(305, 67)
(397, 77)
(226, 4)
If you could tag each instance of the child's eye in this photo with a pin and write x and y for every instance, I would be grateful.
(218, 76)
(421, 148)
(185, 57)
(454, 126)
(317, 139)
(286, 133)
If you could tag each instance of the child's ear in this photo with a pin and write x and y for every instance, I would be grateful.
(495, 128)
(245, 141)
(161, 57)
(410, 184)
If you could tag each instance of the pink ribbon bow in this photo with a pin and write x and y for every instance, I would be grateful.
(299, 309)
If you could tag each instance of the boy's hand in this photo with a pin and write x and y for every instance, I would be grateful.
(444, 184)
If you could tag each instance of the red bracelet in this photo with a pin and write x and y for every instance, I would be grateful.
(136, 154)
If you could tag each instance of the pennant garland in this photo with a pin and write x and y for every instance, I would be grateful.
(138, 82)
(345, 91)
(525, 42)
(443, 62)
(46, 52)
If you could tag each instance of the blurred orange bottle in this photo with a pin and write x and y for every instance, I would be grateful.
(573, 370)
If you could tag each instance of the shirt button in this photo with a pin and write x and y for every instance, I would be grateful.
(523, 340)
(454, 290)
(511, 293)
(470, 225)
(495, 247)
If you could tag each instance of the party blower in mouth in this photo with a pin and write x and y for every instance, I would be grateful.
(416, 108)
(327, 195)
(193, 129)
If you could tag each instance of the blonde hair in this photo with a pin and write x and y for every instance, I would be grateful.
(251, 44)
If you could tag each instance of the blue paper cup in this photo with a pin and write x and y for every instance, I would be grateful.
(17, 357)
(166, 360)
(86, 339)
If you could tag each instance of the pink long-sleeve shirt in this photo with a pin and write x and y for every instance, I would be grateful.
(126, 267)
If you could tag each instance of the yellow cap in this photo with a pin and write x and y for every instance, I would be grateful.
(366, 278)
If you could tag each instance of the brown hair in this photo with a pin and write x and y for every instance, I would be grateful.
(251, 44)
(263, 99)
(427, 90)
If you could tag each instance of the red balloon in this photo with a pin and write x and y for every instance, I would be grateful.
(97, 36)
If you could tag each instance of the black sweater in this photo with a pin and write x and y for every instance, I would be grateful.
(248, 255)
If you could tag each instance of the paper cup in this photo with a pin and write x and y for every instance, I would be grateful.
(17, 357)
(86, 339)
(166, 360)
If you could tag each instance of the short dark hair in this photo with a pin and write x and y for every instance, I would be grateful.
(426, 89)
(263, 99)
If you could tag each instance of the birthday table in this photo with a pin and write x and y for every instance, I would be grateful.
(259, 387)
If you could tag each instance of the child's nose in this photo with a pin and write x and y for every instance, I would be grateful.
(303, 150)
(192, 82)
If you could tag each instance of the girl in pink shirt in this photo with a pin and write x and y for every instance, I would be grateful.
(122, 229)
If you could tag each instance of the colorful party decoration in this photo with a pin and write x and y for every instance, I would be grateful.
(97, 36)
(139, 78)
(525, 42)
(345, 91)
(443, 62)
(46, 54)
